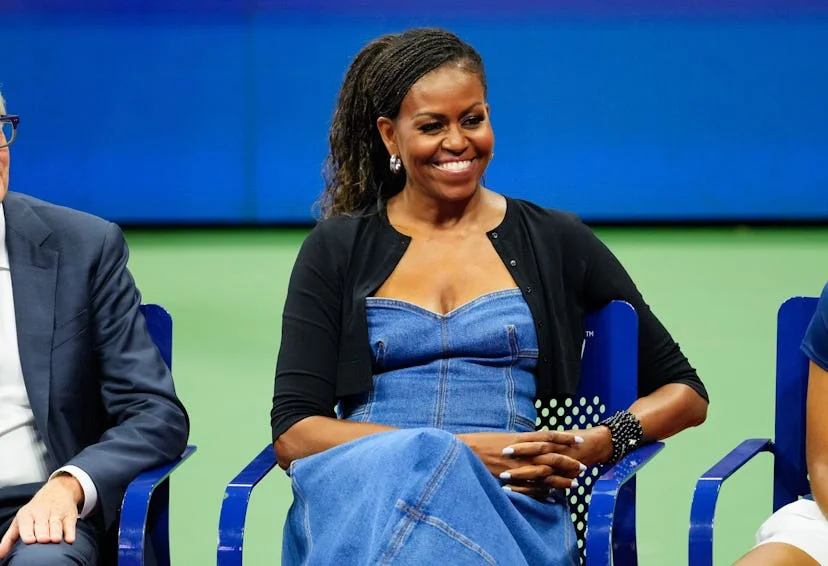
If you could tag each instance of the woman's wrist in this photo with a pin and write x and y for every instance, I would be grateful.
(626, 434)
(605, 452)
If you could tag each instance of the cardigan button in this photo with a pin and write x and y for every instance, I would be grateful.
(513, 263)
(529, 290)
(545, 359)
(540, 324)
(494, 235)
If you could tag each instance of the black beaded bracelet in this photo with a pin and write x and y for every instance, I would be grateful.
(626, 433)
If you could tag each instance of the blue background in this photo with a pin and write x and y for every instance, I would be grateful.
(209, 111)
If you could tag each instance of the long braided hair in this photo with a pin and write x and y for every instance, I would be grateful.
(357, 176)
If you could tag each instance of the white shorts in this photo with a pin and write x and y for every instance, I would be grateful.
(800, 524)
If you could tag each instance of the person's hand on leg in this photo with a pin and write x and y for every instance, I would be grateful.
(50, 517)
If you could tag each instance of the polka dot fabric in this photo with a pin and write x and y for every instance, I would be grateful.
(574, 413)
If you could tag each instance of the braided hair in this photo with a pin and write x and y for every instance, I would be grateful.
(357, 176)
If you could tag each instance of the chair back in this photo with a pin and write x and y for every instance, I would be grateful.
(159, 326)
(790, 473)
(609, 383)
(156, 547)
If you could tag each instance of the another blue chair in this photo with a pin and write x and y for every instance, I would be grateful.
(790, 475)
(609, 382)
(143, 535)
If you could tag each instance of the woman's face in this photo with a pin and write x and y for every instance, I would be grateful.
(442, 134)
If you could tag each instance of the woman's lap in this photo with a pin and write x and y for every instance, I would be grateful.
(413, 495)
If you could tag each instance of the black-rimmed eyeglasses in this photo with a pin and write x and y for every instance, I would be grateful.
(9, 124)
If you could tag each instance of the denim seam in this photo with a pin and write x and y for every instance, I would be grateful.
(419, 516)
(408, 524)
(567, 534)
(510, 380)
(530, 353)
(520, 420)
(369, 402)
(297, 490)
(443, 380)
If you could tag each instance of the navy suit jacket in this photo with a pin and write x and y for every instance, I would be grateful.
(102, 397)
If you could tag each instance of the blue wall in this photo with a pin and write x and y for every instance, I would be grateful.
(211, 111)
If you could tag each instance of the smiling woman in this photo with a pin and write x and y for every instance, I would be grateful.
(435, 311)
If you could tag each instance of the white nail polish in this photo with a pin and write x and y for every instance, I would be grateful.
(583, 468)
(507, 488)
(579, 440)
(505, 476)
(508, 451)
(575, 483)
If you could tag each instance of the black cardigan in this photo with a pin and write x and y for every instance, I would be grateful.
(563, 269)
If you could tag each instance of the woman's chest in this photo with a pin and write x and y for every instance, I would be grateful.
(441, 275)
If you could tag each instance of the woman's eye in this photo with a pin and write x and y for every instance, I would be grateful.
(473, 121)
(431, 127)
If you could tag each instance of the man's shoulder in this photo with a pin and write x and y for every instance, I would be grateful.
(55, 215)
(66, 224)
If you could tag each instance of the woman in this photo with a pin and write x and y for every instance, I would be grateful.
(433, 312)
(797, 534)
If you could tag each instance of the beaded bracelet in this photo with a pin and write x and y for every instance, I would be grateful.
(626, 433)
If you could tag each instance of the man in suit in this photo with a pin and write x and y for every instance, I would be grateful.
(86, 401)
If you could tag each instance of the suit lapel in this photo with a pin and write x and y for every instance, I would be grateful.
(34, 278)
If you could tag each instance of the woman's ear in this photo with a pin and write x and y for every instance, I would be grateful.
(387, 130)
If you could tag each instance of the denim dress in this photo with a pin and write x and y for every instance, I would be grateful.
(418, 495)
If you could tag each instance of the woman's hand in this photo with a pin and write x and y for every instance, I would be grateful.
(595, 449)
(529, 462)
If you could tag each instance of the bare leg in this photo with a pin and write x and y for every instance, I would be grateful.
(776, 553)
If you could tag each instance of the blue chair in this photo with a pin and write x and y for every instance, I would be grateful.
(145, 507)
(609, 382)
(790, 476)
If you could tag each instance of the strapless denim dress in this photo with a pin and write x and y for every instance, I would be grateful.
(418, 495)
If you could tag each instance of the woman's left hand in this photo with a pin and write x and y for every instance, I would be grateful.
(595, 449)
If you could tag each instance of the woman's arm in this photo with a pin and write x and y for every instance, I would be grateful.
(672, 395)
(668, 410)
(304, 392)
(816, 436)
(663, 413)
(316, 434)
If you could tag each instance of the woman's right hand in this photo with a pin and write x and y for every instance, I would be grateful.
(528, 462)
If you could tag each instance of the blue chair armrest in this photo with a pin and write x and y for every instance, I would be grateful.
(602, 505)
(146, 504)
(706, 495)
(234, 507)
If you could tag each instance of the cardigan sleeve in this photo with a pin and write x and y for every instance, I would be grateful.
(660, 360)
(305, 381)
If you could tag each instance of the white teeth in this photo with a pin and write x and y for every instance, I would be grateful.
(454, 165)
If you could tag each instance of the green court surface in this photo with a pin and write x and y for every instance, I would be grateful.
(717, 290)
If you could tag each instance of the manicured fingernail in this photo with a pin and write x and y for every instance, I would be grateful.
(575, 483)
(579, 440)
(583, 468)
(505, 476)
(508, 451)
(507, 488)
